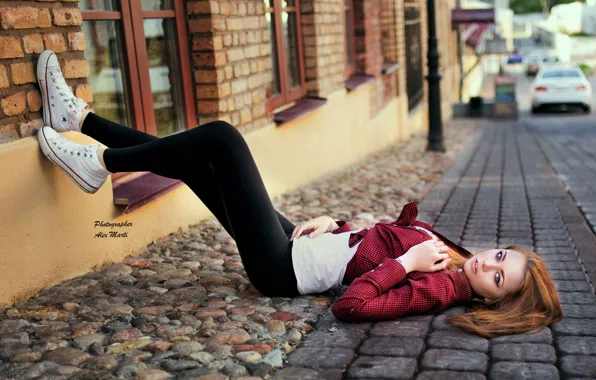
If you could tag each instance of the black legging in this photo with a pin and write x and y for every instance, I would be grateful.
(214, 161)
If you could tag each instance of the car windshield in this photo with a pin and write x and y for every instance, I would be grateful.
(533, 59)
(551, 59)
(561, 74)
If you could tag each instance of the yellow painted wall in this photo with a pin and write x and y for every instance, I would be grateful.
(47, 223)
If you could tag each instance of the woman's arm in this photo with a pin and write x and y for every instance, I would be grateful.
(374, 297)
(320, 225)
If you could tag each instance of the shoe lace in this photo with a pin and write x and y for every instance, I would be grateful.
(74, 149)
(62, 87)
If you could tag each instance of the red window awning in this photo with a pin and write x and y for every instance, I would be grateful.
(474, 39)
(472, 16)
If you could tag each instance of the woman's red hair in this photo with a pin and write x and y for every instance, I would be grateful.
(531, 308)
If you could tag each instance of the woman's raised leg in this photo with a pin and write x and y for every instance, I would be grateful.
(263, 243)
(64, 112)
(114, 135)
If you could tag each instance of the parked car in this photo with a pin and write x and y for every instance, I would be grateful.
(515, 58)
(562, 85)
(535, 62)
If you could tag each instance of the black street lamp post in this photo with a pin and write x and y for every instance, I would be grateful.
(435, 133)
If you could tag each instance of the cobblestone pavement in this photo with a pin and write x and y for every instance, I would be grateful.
(184, 309)
(504, 189)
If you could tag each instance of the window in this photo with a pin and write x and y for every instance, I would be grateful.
(350, 38)
(561, 74)
(139, 63)
(283, 17)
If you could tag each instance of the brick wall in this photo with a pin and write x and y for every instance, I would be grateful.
(26, 29)
(324, 45)
(401, 46)
(231, 61)
(389, 30)
(424, 41)
(369, 53)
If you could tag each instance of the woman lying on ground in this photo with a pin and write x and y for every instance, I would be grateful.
(394, 269)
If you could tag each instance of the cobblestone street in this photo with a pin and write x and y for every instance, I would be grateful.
(184, 309)
(504, 189)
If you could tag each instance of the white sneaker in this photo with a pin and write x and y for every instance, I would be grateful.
(80, 162)
(61, 109)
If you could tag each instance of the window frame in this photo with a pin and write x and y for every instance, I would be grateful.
(131, 15)
(286, 95)
(350, 69)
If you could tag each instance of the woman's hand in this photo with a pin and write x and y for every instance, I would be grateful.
(315, 227)
(429, 256)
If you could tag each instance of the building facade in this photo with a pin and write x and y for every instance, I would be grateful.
(313, 85)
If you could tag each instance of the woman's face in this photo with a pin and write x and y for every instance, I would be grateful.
(495, 273)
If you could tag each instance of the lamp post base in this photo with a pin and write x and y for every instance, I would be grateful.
(436, 146)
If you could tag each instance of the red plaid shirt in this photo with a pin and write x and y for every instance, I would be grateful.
(379, 287)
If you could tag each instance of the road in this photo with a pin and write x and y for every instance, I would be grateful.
(530, 182)
(524, 84)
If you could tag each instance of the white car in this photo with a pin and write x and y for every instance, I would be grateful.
(565, 86)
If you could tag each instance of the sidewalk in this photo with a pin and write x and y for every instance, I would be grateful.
(504, 189)
(184, 309)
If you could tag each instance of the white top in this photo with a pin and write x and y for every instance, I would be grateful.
(425, 230)
(320, 263)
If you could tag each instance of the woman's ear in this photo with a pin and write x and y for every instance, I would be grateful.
(490, 301)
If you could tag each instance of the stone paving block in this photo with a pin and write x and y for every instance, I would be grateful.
(547, 225)
(556, 251)
(561, 235)
(572, 326)
(451, 219)
(554, 243)
(382, 367)
(439, 323)
(568, 275)
(576, 345)
(515, 234)
(320, 357)
(572, 286)
(581, 298)
(390, 346)
(475, 243)
(545, 234)
(565, 257)
(299, 373)
(457, 360)
(523, 371)
(340, 338)
(417, 318)
(400, 328)
(564, 266)
(578, 365)
(516, 241)
(516, 223)
(480, 237)
(449, 375)
(328, 321)
(543, 336)
(579, 311)
(481, 230)
(458, 341)
(526, 352)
